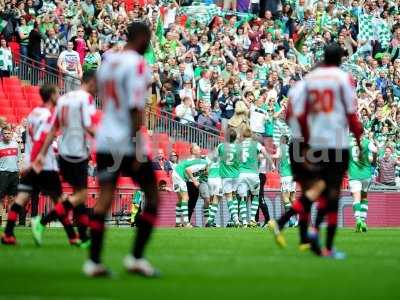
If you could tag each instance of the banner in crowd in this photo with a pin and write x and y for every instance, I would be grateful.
(371, 28)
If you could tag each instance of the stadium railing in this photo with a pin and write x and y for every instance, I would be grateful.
(163, 122)
(36, 73)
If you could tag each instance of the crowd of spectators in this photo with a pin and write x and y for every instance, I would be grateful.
(224, 67)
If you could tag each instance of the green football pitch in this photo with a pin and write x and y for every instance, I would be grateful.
(206, 264)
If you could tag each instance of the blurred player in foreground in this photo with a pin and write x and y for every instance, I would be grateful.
(47, 180)
(323, 109)
(73, 118)
(123, 81)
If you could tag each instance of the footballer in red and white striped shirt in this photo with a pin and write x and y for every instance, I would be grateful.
(46, 181)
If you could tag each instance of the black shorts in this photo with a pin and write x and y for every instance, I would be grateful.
(329, 165)
(74, 171)
(8, 183)
(299, 170)
(333, 169)
(108, 171)
(46, 182)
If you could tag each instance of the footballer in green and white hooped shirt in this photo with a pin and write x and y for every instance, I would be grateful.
(215, 189)
(187, 170)
(360, 174)
(228, 154)
(249, 179)
(288, 185)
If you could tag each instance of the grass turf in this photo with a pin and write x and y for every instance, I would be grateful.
(206, 264)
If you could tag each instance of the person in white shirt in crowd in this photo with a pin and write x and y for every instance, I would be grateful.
(5, 59)
(69, 65)
(186, 111)
(258, 117)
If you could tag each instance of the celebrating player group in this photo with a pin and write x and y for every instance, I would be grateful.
(322, 111)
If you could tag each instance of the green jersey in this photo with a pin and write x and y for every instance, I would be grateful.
(284, 162)
(196, 165)
(229, 160)
(360, 169)
(213, 170)
(249, 151)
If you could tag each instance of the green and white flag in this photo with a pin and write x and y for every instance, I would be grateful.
(366, 27)
(200, 12)
(371, 28)
(384, 33)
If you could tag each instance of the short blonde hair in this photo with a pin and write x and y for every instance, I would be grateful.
(246, 132)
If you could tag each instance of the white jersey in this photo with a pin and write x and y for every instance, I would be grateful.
(323, 99)
(291, 119)
(74, 114)
(39, 123)
(123, 81)
(9, 154)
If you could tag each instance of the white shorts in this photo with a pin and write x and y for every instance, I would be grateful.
(229, 185)
(215, 186)
(204, 190)
(179, 184)
(288, 184)
(357, 186)
(248, 182)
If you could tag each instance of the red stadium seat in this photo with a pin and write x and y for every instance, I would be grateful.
(30, 89)
(11, 90)
(22, 113)
(4, 102)
(124, 181)
(34, 101)
(16, 96)
(182, 149)
(20, 103)
(161, 137)
(6, 110)
(11, 81)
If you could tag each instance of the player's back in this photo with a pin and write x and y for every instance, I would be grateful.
(360, 168)
(213, 169)
(195, 165)
(284, 161)
(249, 152)
(122, 81)
(229, 160)
(38, 123)
(328, 96)
(74, 114)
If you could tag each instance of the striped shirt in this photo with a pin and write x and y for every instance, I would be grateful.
(9, 156)
(387, 170)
